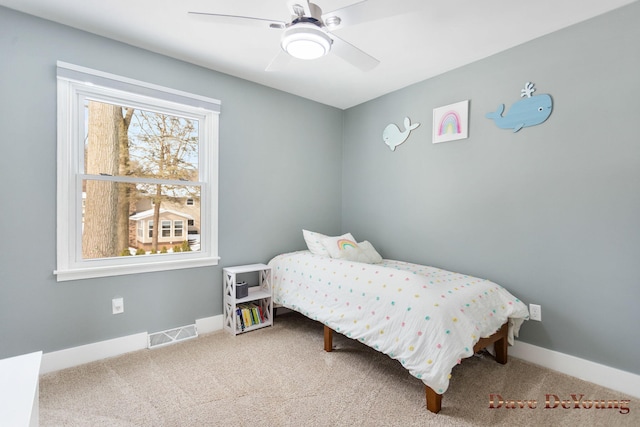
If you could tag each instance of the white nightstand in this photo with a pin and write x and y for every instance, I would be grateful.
(253, 311)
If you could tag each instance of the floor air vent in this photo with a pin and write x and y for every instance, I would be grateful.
(171, 336)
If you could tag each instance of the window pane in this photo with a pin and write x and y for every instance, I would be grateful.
(132, 142)
(178, 226)
(166, 228)
(119, 218)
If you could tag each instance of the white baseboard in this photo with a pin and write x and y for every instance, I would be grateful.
(75, 356)
(603, 375)
(210, 324)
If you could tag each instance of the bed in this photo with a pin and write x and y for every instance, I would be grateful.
(427, 318)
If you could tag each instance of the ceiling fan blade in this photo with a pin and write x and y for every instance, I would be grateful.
(240, 20)
(368, 11)
(352, 54)
(279, 62)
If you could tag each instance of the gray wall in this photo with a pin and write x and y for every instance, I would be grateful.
(551, 212)
(276, 177)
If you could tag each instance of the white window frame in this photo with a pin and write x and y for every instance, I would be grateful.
(76, 83)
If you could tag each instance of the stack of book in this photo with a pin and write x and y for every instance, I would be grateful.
(248, 314)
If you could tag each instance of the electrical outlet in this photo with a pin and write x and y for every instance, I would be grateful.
(535, 312)
(117, 305)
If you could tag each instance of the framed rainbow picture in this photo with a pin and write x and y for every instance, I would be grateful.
(451, 122)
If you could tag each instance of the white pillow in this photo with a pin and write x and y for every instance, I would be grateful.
(370, 252)
(349, 250)
(314, 241)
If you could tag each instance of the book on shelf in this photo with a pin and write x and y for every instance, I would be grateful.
(240, 322)
(261, 314)
(250, 314)
(255, 316)
(246, 315)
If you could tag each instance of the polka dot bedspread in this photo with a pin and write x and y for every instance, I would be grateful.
(426, 318)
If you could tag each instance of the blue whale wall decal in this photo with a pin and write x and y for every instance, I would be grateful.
(530, 111)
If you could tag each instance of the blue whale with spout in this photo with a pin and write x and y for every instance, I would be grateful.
(529, 111)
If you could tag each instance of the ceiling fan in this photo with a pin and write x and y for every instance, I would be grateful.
(308, 35)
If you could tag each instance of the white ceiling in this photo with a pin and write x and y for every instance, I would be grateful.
(434, 37)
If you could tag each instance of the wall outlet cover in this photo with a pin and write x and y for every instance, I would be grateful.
(117, 305)
(535, 312)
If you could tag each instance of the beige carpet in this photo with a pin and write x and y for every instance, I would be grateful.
(280, 376)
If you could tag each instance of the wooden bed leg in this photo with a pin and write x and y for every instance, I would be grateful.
(501, 345)
(434, 400)
(328, 338)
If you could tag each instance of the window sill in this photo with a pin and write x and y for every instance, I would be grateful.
(119, 270)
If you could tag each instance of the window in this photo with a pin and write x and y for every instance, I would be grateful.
(166, 228)
(178, 226)
(130, 154)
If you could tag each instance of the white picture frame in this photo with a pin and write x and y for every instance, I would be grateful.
(451, 122)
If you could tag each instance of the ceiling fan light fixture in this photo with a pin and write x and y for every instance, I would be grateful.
(306, 41)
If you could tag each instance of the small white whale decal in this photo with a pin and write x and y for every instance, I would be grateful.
(392, 136)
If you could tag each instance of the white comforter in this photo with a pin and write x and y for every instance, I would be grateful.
(426, 318)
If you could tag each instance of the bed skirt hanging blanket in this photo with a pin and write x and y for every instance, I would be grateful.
(427, 318)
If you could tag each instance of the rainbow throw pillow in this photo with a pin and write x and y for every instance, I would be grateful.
(347, 249)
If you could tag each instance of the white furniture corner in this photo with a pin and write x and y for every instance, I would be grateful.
(19, 390)
(259, 294)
